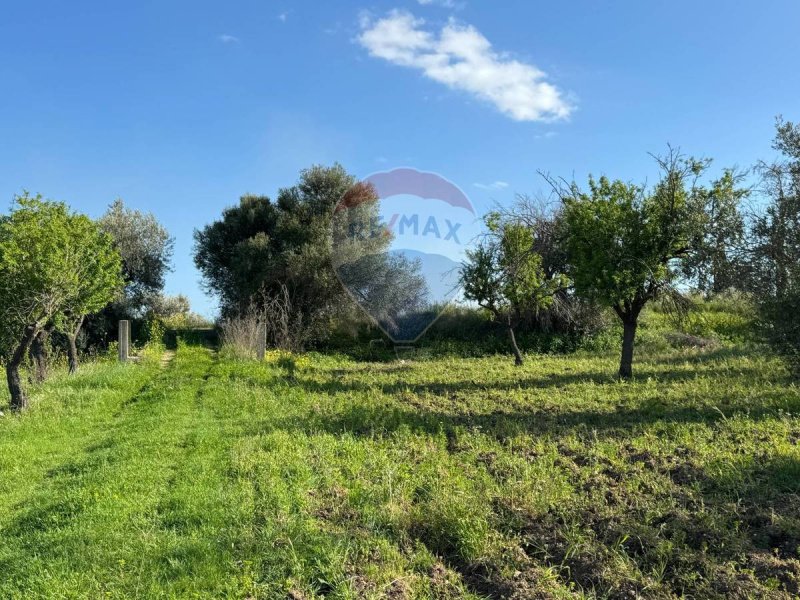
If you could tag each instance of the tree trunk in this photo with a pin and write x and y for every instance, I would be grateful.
(72, 347)
(628, 338)
(512, 338)
(19, 401)
(40, 355)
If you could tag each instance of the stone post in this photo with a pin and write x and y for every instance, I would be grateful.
(124, 340)
(261, 347)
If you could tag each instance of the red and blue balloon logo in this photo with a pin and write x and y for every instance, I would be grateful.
(399, 238)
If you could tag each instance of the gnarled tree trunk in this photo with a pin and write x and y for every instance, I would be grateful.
(72, 346)
(40, 354)
(19, 401)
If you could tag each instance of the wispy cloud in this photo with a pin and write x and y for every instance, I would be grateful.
(444, 3)
(497, 185)
(283, 16)
(226, 38)
(460, 57)
(546, 135)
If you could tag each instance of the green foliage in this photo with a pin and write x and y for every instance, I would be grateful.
(146, 250)
(504, 274)
(781, 324)
(621, 238)
(154, 331)
(717, 262)
(261, 245)
(54, 265)
(776, 249)
(722, 318)
(175, 312)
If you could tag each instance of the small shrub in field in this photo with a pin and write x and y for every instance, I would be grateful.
(154, 332)
(112, 353)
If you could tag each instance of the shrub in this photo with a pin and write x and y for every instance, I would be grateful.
(781, 326)
(239, 335)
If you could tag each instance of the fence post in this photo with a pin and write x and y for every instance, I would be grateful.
(124, 340)
(261, 347)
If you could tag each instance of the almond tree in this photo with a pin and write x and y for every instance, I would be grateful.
(505, 276)
(624, 241)
(53, 265)
(100, 267)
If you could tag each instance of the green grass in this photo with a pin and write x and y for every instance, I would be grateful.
(317, 475)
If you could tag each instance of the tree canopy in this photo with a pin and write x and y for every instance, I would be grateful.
(261, 245)
(505, 274)
(622, 239)
(55, 265)
(146, 250)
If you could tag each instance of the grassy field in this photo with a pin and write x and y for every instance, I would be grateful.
(313, 475)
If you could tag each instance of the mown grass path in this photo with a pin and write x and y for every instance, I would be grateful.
(127, 507)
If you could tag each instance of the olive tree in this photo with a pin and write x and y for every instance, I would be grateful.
(146, 250)
(54, 266)
(504, 275)
(262, 245)
(717, 261)
(775, 239)
(624, 242)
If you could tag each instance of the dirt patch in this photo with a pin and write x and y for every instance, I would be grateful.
(770, 567)
(685, 340)
(444, 583)
(398, 590)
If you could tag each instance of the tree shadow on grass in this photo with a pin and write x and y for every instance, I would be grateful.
(370, 419)
(342, 383)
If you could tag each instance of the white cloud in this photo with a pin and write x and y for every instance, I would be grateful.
(497, 185)
(445, 3)
(460, 57)
(283, 16)
(226, 38)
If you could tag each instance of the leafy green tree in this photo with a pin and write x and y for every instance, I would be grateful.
(100, 265)
(775, 253)
(261, 245)
(505, 275)
(146, 250)
(623, 240)
(716, 262)
(54, 265)
(388, 286)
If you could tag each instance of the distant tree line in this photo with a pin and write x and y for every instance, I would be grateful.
(610, 245)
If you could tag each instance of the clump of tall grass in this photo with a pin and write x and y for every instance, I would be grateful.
(240, 335)
(268, 317)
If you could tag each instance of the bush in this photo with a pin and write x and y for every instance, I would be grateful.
(153, 332)
(780, 323)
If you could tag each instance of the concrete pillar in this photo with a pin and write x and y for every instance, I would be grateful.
(124, 340)
(261, 344)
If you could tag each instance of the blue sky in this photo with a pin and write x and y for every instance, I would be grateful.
(181, 107)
